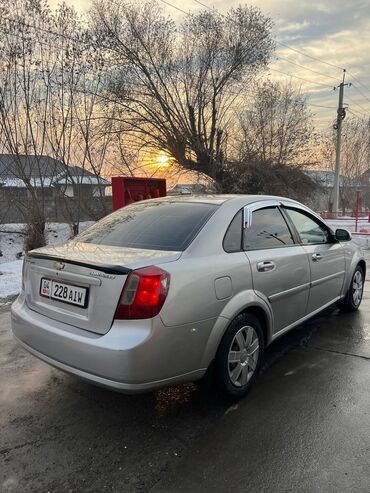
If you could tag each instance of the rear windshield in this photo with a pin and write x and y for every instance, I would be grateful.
(151, 225)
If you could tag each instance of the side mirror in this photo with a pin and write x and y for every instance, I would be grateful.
(343, 235)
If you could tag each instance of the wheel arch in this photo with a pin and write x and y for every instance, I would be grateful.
(259, 313)
(351, 264)
(362, 264)
(255, 306)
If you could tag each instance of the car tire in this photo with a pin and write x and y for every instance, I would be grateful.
(353, 298)
(239, 356)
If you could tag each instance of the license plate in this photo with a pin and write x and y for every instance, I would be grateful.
(74, 295)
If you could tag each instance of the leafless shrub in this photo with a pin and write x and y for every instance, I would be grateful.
(34, 232)
(268, 178)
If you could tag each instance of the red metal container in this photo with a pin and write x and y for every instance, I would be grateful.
(127, 189)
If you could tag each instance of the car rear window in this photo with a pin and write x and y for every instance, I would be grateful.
(155, 225)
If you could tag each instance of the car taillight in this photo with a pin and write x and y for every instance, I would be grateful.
(143, 294)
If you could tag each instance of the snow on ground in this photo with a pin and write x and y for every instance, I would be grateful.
(12, 253)
(10, 278)
(349, 223)
(11, 238)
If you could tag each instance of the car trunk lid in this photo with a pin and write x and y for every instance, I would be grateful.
(91, 274)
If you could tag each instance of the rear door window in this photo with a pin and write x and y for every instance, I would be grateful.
(268, 230)
(155, 225)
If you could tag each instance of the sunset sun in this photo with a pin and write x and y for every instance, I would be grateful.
(162, 160)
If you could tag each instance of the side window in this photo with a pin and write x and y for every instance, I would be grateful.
(268, 230)
(308, 229)
(233, 237)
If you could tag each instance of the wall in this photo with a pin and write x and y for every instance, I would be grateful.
(58, 209)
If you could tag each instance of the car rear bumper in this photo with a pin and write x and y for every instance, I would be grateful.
(138, 356)
(129, 388)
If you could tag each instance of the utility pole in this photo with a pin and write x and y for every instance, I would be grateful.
(341, 114)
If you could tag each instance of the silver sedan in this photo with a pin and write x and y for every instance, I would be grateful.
(175, 289)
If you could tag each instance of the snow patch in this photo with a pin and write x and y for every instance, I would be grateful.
(349, 223)
(10, 278)
(12, 253)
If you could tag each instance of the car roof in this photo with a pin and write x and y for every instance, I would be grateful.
(237, 199)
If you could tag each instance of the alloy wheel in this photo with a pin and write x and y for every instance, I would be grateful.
(243, 356)
(357, 288)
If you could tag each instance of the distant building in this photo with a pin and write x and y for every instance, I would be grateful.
(192, 189)
(322, 199)
(48, 176)
(364, 179)
(364, 182)
(67, 192)
(324, 179)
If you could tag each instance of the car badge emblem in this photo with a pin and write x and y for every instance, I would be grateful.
(59, 265)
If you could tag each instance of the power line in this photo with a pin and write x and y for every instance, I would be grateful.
(175, 7)
(359, 82)
(307, 68)
(208, 7)
(41, 29)
(359, 105)
(301, 78)
(48, 44)
(309, 56)
(320, 113)
(359, 115)
(21, 37)
(359, 90)
(322, 106)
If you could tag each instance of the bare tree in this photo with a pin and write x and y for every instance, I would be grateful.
(355, 159)
(23, 102)
(176, 85)
(272, 143)
(77, 132)
(275, 125)
(51, 74)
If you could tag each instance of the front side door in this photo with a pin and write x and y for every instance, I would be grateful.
(280, 267)
(325, 257)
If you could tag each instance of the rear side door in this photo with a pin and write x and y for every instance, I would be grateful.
(280, 268)
(325, 257)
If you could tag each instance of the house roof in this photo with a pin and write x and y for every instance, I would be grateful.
(43, 171)
(365, 174)
(324, 178)
(21, 166)
(79, 176)
(191, 189)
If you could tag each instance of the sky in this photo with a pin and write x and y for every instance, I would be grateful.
(336, 32)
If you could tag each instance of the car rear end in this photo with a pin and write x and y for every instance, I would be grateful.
(92, 307)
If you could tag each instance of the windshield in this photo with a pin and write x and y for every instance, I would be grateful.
(155, 225)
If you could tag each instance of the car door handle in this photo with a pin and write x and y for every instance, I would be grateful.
(316, 257)
(265, 266)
